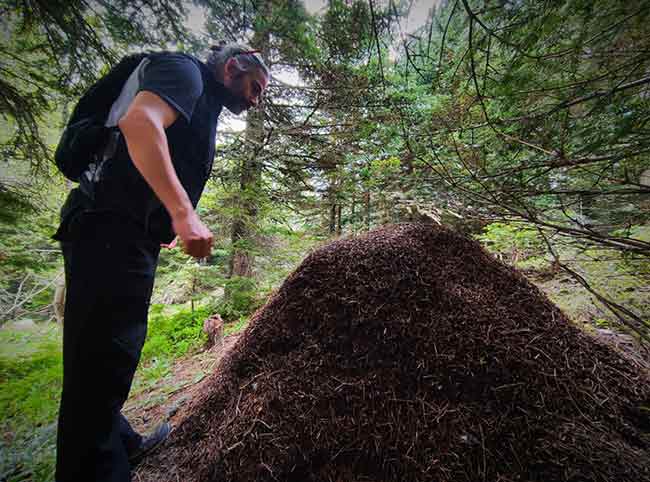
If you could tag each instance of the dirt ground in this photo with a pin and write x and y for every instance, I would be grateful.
(150, 407)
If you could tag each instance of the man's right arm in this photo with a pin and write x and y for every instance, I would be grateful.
(143, 127)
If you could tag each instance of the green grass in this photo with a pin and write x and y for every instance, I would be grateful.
(172, 336)
(235, 326)
(150, 374)
(173, 332)
(31, 376)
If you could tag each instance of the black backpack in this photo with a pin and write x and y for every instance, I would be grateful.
(85, 135)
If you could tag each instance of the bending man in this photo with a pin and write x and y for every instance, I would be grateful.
(143, 194)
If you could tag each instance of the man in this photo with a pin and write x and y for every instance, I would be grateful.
(143, 194)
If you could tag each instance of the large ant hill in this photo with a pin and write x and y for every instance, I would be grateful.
(410, 354)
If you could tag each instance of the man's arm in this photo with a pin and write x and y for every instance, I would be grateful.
(143, 127)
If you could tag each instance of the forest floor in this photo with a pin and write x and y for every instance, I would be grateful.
(162, 402)
(30, 370)
(583, 310)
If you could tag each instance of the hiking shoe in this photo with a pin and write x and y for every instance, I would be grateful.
(150, 443)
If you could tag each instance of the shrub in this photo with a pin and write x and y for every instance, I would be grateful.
(519, 244)
(174, 335)
(241, 298)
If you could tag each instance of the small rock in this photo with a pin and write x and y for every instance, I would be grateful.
(173, 408)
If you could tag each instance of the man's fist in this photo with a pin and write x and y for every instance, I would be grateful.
(171, 245)
(195, 237)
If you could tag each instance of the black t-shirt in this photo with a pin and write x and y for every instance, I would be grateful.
(189, 87)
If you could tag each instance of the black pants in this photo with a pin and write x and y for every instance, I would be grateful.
(109, 286)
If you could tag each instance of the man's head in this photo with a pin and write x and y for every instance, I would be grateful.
(242, 72)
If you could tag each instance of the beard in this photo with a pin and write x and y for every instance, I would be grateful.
(235, 102)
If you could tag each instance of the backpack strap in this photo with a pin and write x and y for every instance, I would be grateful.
(128, 93)
(120, 106)
(93, 174)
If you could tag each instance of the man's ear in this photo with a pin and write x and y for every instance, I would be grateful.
(231, 68)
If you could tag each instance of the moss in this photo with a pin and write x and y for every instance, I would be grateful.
(31, 370)
(30, 374)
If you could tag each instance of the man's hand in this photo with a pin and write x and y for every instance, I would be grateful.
(195, 237)
(171, 245)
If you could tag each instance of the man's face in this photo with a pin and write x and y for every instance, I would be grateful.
(246, 88)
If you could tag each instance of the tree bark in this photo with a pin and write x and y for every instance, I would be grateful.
(366, 198)
(339, 231)
(353, 217)
(244, 226)
(332, 223)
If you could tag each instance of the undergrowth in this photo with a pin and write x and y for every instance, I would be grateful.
(621, 276)
(172, 333)
(31, 378)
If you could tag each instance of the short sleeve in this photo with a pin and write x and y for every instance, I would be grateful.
(176, 79)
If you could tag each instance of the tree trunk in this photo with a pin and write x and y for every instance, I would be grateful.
(353, 218)
(244, 224)
(332, 223)
(339, 231)
(366, 199)
(245, 221)
(384, 210)
(58, 302)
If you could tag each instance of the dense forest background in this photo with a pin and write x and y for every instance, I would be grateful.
(524, 124)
